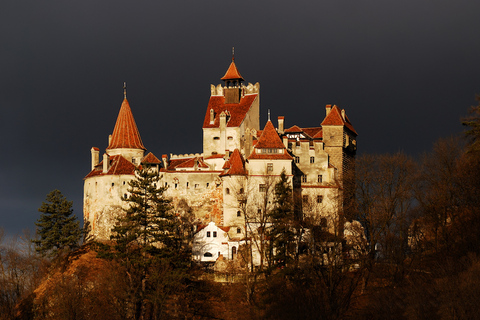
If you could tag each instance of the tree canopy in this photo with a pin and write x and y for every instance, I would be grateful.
(58, 228)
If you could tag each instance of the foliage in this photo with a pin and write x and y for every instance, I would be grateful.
(283, 235)
(149, 242)
(58, 227)
(473, 122)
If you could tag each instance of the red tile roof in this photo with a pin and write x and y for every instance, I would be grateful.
(187, 163)
(237, 111)
(118, 165)
(235, 165)
(215, 156)
(232, 73)
(270, 140)
(295, 128)
(150, 158)
(334, 118)
(125, 134)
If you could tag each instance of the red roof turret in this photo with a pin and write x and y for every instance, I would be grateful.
(125, 134)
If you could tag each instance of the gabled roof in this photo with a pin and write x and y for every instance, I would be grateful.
(311, 132)
(295, 128)
(150, 158)
(270, 140)
(235, 165)
(232, 73)
(187, 163)
(237, 111)
(118, 165)
(334, 118)
(125, 134)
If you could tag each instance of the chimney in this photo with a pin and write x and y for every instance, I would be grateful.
(105, 163)
(281, 124)
(164, 161)
(328, 108)
(223, 120)
(109, 139)
(95, 156)
(343, 114)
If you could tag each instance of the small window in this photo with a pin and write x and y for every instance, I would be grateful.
(208, 184)
(227, 191)
(320, 178)
(216, 138)
(125, 195)
(312, 159)
(208, 234)
(297, 159)
(133, 160)
(123, 182)
(234, 251)
(230, 138)
(269, 167)
(208, 254)
(239, 230)
(319, 199)
(196, 185)
(259, 211)
(176, 186)
(304, 178)
(239, 214)
(305, 199)
(262, 187)
(214, 234)
(187, 184)
(166, 184)
(241, 190)
(113, 184)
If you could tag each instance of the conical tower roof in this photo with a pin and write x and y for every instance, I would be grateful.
(125, 134)
(232, 73)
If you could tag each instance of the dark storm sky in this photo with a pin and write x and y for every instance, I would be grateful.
(405, 71)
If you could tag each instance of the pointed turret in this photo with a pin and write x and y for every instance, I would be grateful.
(125, 139)
(233, 84)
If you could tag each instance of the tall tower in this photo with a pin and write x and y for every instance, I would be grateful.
(233, 108)
(107, 182)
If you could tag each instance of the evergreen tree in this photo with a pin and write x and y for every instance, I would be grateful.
(473, 122)
(58, 228)
(149, 242)
(284, 224)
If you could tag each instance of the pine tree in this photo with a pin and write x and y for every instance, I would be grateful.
(149, 243)
(473, 122)
(58, 228)
(284, 223)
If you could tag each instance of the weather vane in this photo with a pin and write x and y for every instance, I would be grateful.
(233, 53)
(125, 90)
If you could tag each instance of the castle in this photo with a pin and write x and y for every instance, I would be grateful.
(231, 183)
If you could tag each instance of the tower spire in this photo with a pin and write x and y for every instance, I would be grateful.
(124, 90)
(233, 54)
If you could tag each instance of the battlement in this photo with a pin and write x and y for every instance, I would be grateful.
(186, 155)
(219, 90)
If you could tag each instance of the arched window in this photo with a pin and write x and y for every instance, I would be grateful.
(227, 191)
(208, 254)
(239, 214)
(234, 251)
